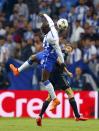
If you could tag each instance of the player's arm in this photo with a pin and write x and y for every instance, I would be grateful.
(58, 51)
(63, 66)
(49, 20)
(60, 59)
(68, 72)
(51, 25)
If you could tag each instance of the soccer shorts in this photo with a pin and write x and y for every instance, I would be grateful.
(47, 59)
(58, 79)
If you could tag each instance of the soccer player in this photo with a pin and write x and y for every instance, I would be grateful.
(48, 58)
(63, 85)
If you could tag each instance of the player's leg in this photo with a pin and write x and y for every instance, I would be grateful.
(33, 58)
(47, 101)
(43, 109)
(72, 101)
(24, 66)
(48, 85)
(64, 85)
(73, 104)
(45, 105)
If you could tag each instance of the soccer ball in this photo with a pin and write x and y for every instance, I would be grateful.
(62, 24)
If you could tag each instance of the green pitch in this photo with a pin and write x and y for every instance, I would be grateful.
(48, 125)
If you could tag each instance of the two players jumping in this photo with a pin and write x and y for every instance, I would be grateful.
(49, 58)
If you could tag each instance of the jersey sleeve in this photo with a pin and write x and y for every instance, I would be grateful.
(54, 41)
(58, 51)
(49, 20)
(51, 25)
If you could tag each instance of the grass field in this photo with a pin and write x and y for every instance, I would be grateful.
(48, 125)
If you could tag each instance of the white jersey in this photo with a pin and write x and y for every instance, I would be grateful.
(51, 39)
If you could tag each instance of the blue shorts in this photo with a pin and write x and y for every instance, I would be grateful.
(47, 59)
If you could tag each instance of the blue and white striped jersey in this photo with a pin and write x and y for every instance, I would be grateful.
(51, 40)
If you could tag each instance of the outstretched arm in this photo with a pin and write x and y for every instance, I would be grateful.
(49, 20)
(58, 51)
(51, 26)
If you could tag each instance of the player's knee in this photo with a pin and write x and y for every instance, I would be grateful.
(45, 76)
(69, 92)
(32, 57)
(48, 98)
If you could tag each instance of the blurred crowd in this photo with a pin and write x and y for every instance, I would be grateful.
(20, 36)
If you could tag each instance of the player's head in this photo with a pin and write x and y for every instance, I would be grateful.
(62, 24)
(45, 28)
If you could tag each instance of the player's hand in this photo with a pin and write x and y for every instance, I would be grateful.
(69, 74)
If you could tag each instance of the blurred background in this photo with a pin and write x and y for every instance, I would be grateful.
(20, 37)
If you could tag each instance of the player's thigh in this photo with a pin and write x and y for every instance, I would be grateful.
(33, 58)
(62, 81)
(45, 75)
(40, 56)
